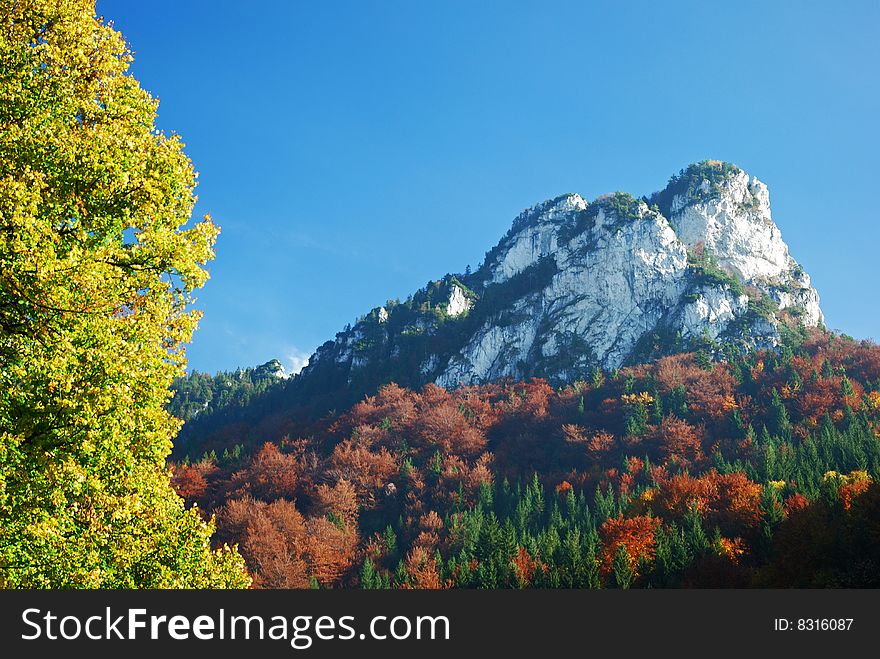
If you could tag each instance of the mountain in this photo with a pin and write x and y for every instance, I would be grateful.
(575, 286)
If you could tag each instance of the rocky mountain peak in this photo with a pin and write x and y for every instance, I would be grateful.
(717, 207)
(576, 285)
(732, 219)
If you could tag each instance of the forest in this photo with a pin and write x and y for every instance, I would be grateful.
(755, 471)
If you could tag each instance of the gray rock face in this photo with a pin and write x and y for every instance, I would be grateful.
(736, 226)
(575, 285)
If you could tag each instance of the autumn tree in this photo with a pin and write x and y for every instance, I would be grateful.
(716, 482)
(338, 503)
(422, 571)
(368, 470)
(329, 549)
(271, 474)
(189, 480)
(678, 440)
(274, 544)
(442, 424)
(97, 269)
(636, 535)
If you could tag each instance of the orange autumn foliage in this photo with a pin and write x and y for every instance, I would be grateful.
(190, 480)
(679, 441)
(731, 501)
(270, 475)
(339, 500)
(271, 538)
(637, 534)
(422, 570)
(524, 567)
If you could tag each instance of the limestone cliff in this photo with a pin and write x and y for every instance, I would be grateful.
(577, 285)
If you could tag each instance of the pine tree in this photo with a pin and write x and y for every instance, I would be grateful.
(592, 575)
(368, 575)
(637, 419)
(677, 402)
(621, 568)
(508, 545)
(390, 539)
(574, 573)
(571, 507)
(401, 575)
(780, 423)
(537, 496)
(694, 533)
(772, 514)
(662, 570)
(598, 378)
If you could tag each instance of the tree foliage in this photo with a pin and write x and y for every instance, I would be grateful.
(97, 270)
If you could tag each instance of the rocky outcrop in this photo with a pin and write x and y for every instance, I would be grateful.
(458, 302)
(271, 369)
(734, 224)
(576, 285)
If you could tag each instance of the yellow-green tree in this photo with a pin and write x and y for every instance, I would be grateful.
(97, 268)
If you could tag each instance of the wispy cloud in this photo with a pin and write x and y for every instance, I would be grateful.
(295, 360)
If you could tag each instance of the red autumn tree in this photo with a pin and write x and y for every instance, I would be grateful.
(369, 471)
(637, 534)
(270, 475)
(442, 425)
(679, 441)
(339, 501)
(270, 537)
(731, 501)
(190, 480)
(329, 549)
(524, 567)
(422, 570)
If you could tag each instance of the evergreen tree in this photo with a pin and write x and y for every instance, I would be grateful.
(780, 424)
(695, 534)
(677, 402)
(369, 578)
(390, 539)
(622, 569)
(772, 514)
(592, 577)
(637, 419)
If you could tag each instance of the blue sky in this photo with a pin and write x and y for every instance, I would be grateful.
(353, 151)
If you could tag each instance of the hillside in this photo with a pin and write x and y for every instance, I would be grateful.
(758, 471)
